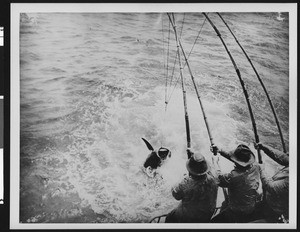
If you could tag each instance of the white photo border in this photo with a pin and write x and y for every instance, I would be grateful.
(17, 8)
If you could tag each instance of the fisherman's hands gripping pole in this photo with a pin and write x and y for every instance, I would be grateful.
(261, 82)
(215, 161)
(242, 84)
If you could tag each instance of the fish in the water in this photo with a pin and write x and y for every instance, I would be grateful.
(155, 159)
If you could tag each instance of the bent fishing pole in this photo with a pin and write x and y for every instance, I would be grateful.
(187, 125)
(261, 82)
(198, 95)
(199, 99)
(195, 86)
(242, 84)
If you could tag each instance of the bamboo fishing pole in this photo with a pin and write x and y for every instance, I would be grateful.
(187, 125)
(242, 84)
(198, 95)
(261, 82)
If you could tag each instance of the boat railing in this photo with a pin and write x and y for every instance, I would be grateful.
(158, 218)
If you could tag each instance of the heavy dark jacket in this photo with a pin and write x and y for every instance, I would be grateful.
(243, 187)
(198, 199)
(277, 187)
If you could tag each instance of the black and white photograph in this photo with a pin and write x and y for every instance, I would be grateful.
(153, 116)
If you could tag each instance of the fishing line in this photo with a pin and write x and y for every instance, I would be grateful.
(176, 53)
(175, 60)
(176, 56)
(196, 40)
(182, 25)
(164, 60)
(172, 75)
(166, 69)
(177, 80)
(187, 127)
(167, 73)
(168, 54)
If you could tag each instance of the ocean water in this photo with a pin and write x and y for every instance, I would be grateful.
(93, 84)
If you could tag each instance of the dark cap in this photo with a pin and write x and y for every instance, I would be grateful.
(243, 155)
(197, 166)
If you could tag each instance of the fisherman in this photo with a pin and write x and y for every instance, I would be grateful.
(243, 186)
(276, 188)
(197, 192)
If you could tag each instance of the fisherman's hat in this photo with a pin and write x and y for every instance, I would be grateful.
(197, 165)
(243, 156)
(163, 153)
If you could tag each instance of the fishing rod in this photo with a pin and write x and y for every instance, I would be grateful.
(192, 77)
(198, 95)
(187, 125)
(242, 84)
(261, 82)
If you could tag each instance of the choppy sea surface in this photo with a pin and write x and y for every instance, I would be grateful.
(93, 84)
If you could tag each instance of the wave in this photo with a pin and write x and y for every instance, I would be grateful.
(150, 64)
(24, 31)
(27, 56)
(55, 79)
(52, 70)
(127, 38)
(273, 46)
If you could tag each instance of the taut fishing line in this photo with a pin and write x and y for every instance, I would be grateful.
(177, 80)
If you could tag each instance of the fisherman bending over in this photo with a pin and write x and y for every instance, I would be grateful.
(197, 192)
(276, 188)
(242, 183)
